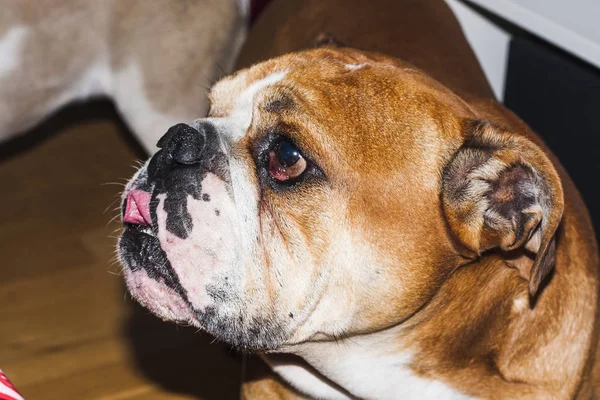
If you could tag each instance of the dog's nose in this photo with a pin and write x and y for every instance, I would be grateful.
(183, 143)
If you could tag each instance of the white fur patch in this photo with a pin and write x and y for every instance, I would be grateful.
(246, 202)
(353, 67)
(237, 123)
(520, 304)
(242, 112)
(10, 49)
(371, 367)
(389, 377)
(148, 124)
(305, 380)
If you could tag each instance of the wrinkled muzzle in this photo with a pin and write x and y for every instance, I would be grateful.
(157, 215)
(180, 244)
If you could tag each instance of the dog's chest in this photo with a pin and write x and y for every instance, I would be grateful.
(372, 374)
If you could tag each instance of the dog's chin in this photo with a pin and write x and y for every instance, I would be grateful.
(161, 300)
(152, 283)
(147, 278)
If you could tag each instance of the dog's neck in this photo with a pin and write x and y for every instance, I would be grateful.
(376, 365)
(463, 339)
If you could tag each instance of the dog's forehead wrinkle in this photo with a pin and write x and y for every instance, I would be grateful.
(235, 125)
(247, 96)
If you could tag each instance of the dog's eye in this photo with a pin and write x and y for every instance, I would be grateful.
(285, 161)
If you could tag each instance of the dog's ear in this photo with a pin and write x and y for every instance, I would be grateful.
(326, 40)
(500, 190)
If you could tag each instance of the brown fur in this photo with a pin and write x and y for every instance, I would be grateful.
(537, 347)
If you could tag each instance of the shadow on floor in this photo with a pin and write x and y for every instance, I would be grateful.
(69, 116)
(180, 359)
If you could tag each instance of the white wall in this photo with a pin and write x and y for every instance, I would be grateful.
(489, 42)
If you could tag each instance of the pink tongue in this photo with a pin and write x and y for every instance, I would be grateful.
(137, 210)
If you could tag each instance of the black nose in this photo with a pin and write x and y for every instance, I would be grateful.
(183, 144)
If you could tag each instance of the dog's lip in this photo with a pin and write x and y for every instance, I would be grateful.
(137, 208)
(159, 298)
(139, 230)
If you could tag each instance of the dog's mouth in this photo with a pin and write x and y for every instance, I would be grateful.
(139, 242)
(179, 251)
(148, 272)
(137, 210)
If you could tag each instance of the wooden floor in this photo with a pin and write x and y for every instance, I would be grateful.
(68, 330)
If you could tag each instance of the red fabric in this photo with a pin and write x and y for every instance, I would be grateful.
(7, 390)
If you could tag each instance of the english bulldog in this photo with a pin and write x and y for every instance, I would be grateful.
(154, 58)
(370, 233)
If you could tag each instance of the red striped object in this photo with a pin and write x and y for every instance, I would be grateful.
(7, 390)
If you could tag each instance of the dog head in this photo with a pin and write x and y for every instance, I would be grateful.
(329, 193)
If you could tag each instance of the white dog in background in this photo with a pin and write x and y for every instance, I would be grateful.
(154, 58)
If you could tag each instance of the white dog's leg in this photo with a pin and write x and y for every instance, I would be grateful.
(299, 375)
(143, 118)
(164, 68)
(11, 48)
(48, 58)
(156, 60)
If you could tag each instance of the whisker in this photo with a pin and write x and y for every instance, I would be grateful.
(113, 219)
(112, 203)
(113, 183)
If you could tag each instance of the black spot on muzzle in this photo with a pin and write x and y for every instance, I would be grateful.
(143, 252)
(187, 155)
